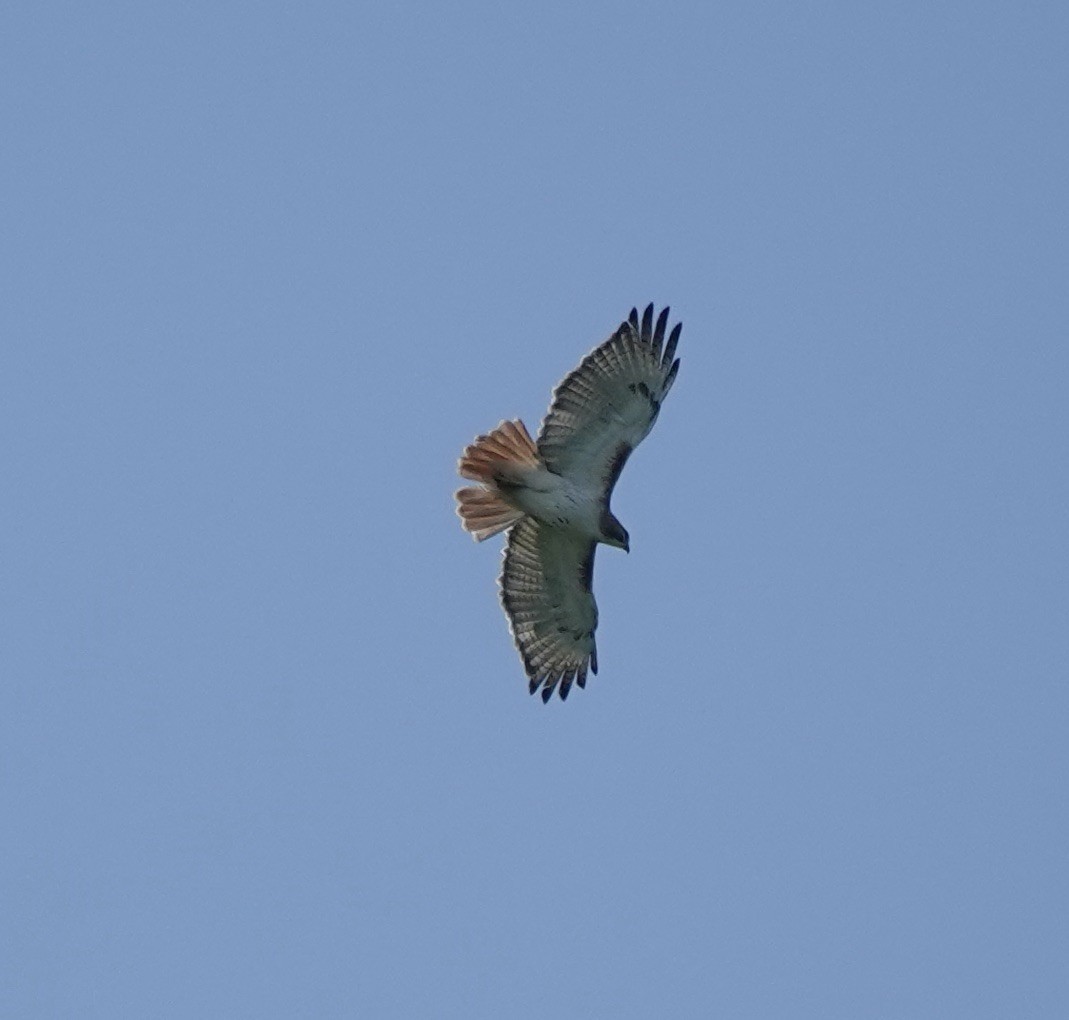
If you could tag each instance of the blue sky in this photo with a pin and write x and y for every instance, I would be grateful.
(265, 746)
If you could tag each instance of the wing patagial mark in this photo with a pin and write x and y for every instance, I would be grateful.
(641, 387)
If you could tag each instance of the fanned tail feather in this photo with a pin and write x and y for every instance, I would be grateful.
(485, 513)
(508, 452)
(501, 452)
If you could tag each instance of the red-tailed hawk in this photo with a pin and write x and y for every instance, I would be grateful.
(554, 495)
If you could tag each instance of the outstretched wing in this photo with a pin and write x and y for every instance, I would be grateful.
(547, 595)
(603, 409)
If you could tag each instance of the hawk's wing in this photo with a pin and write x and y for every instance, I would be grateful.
(603, 409)
(547, 595)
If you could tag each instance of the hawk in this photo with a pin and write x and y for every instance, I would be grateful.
(553, 495)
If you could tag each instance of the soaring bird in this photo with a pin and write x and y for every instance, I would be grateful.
(553, 495)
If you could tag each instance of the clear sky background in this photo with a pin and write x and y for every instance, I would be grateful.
(266, 748)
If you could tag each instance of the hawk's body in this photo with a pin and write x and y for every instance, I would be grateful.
(557, 501)
(554, 496)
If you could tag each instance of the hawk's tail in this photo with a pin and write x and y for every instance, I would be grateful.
(485, 513)
(506, 452)
(499, 453)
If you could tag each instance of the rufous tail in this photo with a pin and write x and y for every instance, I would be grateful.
(484, 513)
(508, 448)
(507, 451)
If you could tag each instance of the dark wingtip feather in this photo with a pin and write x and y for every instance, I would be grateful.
(565, 687)
(673, 340)
(671, 377)
(533, 684)
(547, 693)
(633, 318)
(658, 333)
(647, 324)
